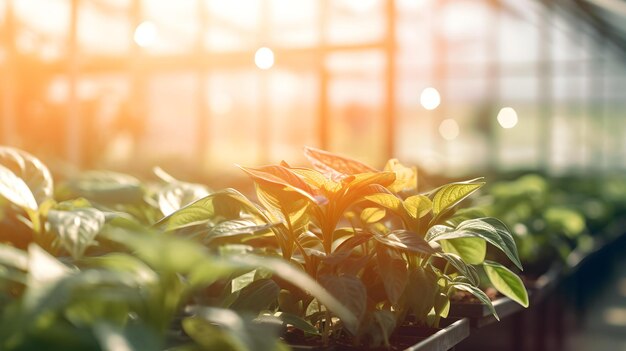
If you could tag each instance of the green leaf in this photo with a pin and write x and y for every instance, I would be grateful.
(471, 250)
(43, 270)
(421, 292)
(12, 257)
(123, 262)
(15, 190)
(388, 201)
(237, 227)
(406, 241)
(228, 202)
(506, 282)
(76, 229)
(451, 194)
(466, 270)
(169, 254)
(222, 329)
(211, 337)
(132, 338)
(256, 296)
(489, 229)
(479, 294)
(349, 290)
(393, 271)
(417, 206)
(31, 170)
(298, 322)
(372, 215)
(442, 305)
(386, 321)
(176, 195)
(107, 187)
(303, 281)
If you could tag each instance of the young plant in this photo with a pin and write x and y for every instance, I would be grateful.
(427, 220)
(401, 258)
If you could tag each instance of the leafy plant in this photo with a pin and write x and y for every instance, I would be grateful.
(383, 255)
(341, 251)
(542, 217)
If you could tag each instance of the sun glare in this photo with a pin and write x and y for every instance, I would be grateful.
(449, 129)
(507, 117)
(430, 98)
(146, 34)
(264, 58)
(221, 103)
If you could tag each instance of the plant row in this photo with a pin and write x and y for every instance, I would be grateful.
(339, 254)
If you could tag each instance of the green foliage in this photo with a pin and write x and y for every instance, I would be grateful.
(542, 214)
(106, 260)
(506, 282)
(397, 237)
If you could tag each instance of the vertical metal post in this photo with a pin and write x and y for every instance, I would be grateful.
(8, 76)
(545, 74)
(597, 110)
(73, 122)
(493, 82)
(265, 117)
(202, 113)
(440, 55)
(585, 101)
(390, 80)
(324, 77)
(137, 108)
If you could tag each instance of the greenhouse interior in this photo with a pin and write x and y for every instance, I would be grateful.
(458, 181)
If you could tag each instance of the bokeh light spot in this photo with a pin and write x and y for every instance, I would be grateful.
(264, 58)
(430, 98)
(507, 117)
(449, 129)
(146, 34)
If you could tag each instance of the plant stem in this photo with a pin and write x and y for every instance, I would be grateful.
(326, 329)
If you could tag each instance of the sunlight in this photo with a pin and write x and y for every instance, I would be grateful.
(221, 103)
(430, 98)
(449, 129)
(361, 5)
(507, 117)
(264, 58)
(146, 34)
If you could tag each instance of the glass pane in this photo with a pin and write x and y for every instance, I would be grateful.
(293, 114)
(233, 25)
(294, 23)
(169, 130)
(356, 97)
(104, 31)
(356, 21)
(235, 116)
(176, 25)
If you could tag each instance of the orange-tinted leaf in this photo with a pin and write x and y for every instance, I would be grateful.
(278, 175)
(280, 178)
(364, 179)
(334, 166)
